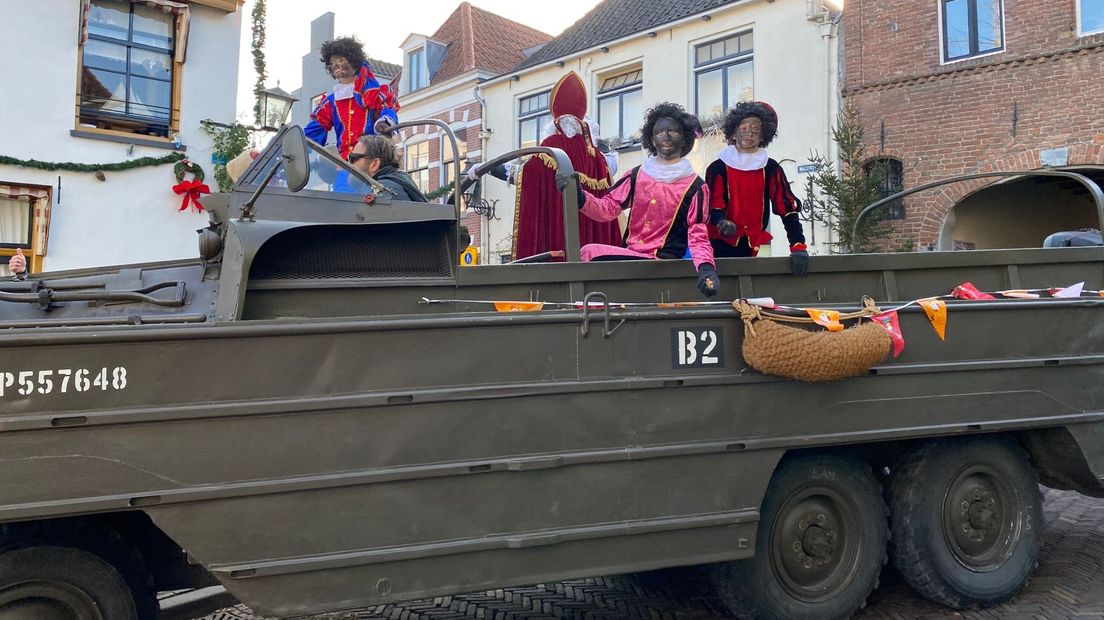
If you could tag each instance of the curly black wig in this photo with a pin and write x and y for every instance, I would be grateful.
(348, 48)
(691, 127)
(759, 110)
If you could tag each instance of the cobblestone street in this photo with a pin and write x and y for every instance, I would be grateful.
(1069, 583)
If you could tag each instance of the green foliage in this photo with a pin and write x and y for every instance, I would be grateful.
(444, 190)
(141, 162)
(229, 142)
(259, 10)
(837, 198)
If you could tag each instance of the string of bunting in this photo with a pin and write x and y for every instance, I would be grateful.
(141, 162)
(934, 307)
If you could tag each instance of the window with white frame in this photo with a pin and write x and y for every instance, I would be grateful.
(723, 74)
(972, 28)
(1090, 16)
(417, 164)
(447, 156)
(620, 107)
(533, 116)
(129, 68)
(417, 73)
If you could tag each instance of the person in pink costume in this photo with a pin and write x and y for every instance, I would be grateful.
(669, 201)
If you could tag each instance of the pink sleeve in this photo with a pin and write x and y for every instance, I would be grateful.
(697, 217)
(608, 207)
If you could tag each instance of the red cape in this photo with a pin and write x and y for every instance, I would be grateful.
(538, 220)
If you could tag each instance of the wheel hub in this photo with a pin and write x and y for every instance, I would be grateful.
(979, 527)
(812, 555)
(47, 600)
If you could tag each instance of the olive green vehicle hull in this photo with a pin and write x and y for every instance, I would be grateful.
(333, 443)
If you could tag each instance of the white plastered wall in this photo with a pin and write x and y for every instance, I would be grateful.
(132, 215)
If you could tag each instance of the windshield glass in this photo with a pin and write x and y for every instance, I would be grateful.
(326, 174)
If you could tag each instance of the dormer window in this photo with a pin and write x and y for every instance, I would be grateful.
(417, 73)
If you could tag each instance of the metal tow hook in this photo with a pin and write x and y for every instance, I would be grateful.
(584, 329)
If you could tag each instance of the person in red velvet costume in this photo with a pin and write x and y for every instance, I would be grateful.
(745, 185)
(538, 219)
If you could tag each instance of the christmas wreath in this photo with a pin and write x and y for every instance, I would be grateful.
(192, 189)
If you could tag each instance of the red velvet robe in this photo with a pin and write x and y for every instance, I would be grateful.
(538, 219)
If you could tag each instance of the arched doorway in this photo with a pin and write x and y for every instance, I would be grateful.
(1021, 212)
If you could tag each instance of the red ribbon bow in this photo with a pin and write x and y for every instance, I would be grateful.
(191, 191)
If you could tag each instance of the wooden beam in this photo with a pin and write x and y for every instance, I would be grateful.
(229, 6)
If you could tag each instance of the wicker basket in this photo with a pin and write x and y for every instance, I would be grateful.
(813, 356)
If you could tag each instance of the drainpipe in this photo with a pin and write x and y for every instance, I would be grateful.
(828, 26)
(485, 225)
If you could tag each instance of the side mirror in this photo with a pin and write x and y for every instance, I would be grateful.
(293, 159)
(296, 163)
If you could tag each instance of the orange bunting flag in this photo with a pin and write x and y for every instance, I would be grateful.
(518, 306)
(888, 321)
(827, 318)
(937, 314)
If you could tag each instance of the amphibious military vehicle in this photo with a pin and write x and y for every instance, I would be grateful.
(326, 411)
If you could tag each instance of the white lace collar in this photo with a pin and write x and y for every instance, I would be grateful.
(667, 173)
(735, 158)
(344, 91)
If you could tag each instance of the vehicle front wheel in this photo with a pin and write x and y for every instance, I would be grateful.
(966, 519)
(820, 547)
(61, 583)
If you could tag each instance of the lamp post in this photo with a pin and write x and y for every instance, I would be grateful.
(275, 104)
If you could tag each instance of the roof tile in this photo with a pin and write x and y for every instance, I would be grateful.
(479, 39)
(612, 19)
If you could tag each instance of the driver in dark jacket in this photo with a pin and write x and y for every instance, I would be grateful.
(376, 156)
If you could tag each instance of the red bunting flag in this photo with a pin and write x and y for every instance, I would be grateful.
(937, 314)
(888, 321)
(827, 318)
(967, 290)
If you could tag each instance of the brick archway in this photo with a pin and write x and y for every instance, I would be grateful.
(943, 200)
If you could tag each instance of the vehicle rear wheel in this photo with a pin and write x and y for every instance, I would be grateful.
(966, 519)
(820, 547)
(61, 583)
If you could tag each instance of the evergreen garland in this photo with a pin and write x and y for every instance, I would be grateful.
(259, 57)
(141, 162)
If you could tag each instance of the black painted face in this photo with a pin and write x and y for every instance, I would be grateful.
(748, 135)
(668, 139)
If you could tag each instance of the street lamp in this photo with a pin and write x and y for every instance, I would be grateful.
(275, 104)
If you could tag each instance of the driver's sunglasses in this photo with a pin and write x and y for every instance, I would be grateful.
(355, 157)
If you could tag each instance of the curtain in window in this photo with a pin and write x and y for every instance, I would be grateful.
(178, 8)
(19, 206)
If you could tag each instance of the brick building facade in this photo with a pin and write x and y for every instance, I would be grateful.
(953, 87)
(439, 80)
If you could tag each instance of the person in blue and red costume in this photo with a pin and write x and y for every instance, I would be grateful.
(669, 201)
(746, 185)
(358, 104)
(538, 221)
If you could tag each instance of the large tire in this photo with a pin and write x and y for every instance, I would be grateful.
(61, 583)
(820, 547)
(966, 519)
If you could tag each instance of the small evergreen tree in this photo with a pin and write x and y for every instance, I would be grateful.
(835, 200)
